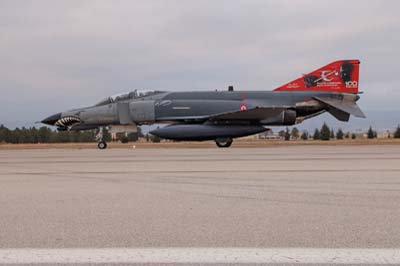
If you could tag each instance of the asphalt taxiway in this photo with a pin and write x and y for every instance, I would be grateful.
(300, 197)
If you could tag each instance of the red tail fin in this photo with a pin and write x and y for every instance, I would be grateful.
(339, 76)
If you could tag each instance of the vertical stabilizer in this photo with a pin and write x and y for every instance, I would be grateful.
(339, 76)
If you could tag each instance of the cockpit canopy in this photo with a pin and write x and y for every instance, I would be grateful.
(128, 96)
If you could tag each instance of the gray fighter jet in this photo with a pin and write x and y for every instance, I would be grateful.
(222, 115)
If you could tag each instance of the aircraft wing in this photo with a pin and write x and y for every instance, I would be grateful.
(251, 114)
(256, 113)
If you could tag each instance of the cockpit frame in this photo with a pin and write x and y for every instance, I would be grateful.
(128, 96)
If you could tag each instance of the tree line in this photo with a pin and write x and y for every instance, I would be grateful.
(47, 135)
(326, 133)
(43, 135)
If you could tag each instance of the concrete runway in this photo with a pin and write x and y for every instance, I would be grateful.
(300, 196)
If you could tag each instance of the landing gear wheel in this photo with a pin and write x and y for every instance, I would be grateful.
(102, 145)
(224, 142)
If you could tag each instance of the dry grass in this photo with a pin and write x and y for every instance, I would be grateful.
(206, 144)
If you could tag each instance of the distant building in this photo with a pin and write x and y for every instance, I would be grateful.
(269, 135)
(385, 135)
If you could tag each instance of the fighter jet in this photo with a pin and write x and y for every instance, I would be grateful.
(222, 115)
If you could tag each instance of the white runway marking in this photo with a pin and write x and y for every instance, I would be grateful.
(201, 255)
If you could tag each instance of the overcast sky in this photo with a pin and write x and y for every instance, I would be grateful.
(56, 55)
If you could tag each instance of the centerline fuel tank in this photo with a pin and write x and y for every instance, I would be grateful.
(206, 131)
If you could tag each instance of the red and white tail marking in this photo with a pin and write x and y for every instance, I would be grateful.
(339, 76)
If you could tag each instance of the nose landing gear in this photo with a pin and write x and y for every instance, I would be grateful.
(101, 144)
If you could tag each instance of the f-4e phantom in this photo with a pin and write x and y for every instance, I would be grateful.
(222, 115)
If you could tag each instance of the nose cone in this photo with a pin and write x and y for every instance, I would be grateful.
(51, 120)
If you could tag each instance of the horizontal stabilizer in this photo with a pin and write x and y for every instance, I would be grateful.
(339, 114)
(341, 109)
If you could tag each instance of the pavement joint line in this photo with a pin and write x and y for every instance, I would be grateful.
(319, 256)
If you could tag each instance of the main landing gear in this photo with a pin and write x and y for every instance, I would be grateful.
(223, 142)
(101, 144)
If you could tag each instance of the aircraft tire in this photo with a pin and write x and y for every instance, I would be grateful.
(102, 145)
(224, 143)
